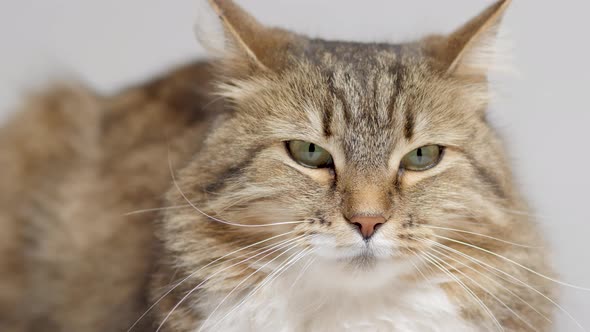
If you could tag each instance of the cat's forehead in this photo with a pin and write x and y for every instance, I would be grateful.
(366, 101)
(373, 89)
(362, 117)
(360, 56)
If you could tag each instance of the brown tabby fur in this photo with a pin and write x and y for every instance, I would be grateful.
(73, 256)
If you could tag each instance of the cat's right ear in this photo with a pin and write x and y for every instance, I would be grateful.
(470, 50)
(238, 40)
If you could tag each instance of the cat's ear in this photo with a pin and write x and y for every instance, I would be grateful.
(472, 49)
(242, 44)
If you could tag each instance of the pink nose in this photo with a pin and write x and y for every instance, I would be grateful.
(367, 224)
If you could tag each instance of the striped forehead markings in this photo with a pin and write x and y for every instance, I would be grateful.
(339, 94)
(329, 108)
(342, 90)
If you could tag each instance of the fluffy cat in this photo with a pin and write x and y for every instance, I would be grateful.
(289, 184)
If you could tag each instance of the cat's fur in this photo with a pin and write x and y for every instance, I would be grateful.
(82, 251)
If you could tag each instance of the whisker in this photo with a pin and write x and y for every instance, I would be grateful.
(518, 281)
(221, 220)
(499, 205)
(514, 262)
(281, 269)
(202, 268)
(524, 213)
(213, 101)
(233, 202)
(272, 251)
(241, 283)
(417, 268)
(270, 278)
(482, 235)
(301, 273)
(494, 281)
(487, 269)
(156, 210)
(468, 290)
(487, 291)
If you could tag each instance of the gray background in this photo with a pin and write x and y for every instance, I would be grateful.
(542, 111)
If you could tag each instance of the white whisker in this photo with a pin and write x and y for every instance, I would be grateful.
(156, 209)
(200, 269)
(242, 282)
(494, 281)
(481, 235)
(469, 291)
(524, 213)
(518, 281)
(291, 260)
(221, 220)
(417, 268)
(301, 273)
(515, 263)
(272, 251)
(487, 291)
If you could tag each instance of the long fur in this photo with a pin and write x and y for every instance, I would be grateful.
(176, 206)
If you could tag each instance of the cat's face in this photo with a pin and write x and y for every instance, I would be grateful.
(361, 121)
(364, 153)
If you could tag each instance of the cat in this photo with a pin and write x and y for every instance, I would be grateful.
(287, 184)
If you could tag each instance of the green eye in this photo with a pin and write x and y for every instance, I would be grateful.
(309, 154)
(422, 158)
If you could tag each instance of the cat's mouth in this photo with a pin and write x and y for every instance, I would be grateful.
(352, 266)
(363, 254)
(365, 259)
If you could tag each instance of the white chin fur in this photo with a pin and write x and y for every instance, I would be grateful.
(335, 296)
(329, 298)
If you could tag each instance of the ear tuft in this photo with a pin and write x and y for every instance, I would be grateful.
(231, 34)
(472, 49)
(209, 30)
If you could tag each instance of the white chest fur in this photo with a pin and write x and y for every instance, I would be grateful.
(329, 299)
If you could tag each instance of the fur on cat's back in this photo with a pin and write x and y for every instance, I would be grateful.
(75, 166)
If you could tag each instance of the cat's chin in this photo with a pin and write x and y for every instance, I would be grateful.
(358, 253)
(350, 273)
(365, 260)
(348, 265)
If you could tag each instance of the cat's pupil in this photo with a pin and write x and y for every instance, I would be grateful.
(311, 150)
(419, 154)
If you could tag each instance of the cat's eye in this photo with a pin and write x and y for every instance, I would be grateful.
(309, 154)
(422, 158)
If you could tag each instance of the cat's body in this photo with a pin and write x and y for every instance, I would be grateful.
(104, 198)
(87, 262)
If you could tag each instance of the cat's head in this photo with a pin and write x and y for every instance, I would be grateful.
(367, 152)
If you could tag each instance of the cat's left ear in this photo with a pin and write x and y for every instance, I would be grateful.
(236, 38)
(471, 49)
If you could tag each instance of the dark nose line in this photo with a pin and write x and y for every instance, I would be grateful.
(367, 224)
